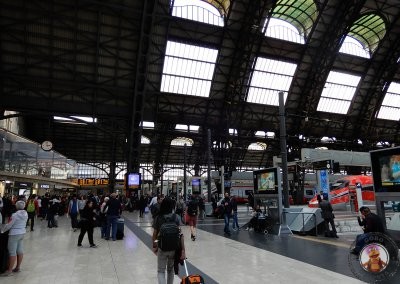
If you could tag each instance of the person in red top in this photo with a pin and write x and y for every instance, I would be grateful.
(32, 207)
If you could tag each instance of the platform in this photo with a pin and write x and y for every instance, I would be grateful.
(51, 256)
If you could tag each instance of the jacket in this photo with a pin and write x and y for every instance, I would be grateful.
(17, 223)
(326, 209)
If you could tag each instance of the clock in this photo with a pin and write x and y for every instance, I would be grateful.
(47, 145)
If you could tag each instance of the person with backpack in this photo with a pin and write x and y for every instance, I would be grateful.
(192, 211)
(32, 208)
(167, 241)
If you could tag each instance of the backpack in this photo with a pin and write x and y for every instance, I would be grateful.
(192, 208)
(169, 239)
(31, 207)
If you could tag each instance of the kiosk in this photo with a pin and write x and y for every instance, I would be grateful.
(386, 173)
(268, 194)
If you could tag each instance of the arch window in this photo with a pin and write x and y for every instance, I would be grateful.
(181, 141)
(292, 20)
(364, 35)
(209, 12)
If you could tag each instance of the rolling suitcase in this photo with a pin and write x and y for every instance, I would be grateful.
(120, 228)
(191, 279)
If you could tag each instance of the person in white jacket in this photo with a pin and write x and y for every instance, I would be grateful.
(16, 226)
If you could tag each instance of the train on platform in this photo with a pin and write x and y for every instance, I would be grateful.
(343, 192)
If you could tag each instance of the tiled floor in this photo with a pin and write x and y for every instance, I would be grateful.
(51, 256)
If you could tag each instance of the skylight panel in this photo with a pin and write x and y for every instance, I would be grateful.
(390, 108)
(148, 124)
(269, 78)
(188, 69)
(233, 131)
(196, 10)
(260, 133)
(77, 120)
(181, 141)
(181, 127)
(258, 146)
(338, 92)
(194, 128)
(144, 140)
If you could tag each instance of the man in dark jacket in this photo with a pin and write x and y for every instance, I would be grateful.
(328, 216)
(113, 212)
(371, 223)
(226, 203)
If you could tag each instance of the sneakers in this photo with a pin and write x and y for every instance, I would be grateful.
(79, 245)
(234, 229)
(93, 246)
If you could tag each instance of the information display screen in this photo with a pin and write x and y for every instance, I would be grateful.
(134, 180)
(386, 169)
(196, 185)
(265, 181)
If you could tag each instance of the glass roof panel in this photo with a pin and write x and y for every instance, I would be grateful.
(145, 140)
(390, 108)
(283, 30)
(354, 47)
(369, 30)
(147, 124)
(258, 146)
(260, 133)
(269, 78)
(201, 11)
(181, 141)
(188, 69)
(232, 131)
(75, 119)
(338, 92)
(299, 13)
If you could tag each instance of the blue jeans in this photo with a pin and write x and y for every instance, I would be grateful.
(227, 217)
(112, 223)
(360, 242)
(235, 223)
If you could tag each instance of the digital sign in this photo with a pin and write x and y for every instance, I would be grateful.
(265, 181)
(386, 169)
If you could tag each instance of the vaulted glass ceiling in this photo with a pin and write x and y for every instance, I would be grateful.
(354, 47)
(338, 92)
(188, 69)
(269, 78)
(390, 108)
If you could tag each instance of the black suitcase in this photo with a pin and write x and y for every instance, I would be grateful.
(120, 228)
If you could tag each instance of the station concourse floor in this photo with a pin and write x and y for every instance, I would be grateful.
(52, 256)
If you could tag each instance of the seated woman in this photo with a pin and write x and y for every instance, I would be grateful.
(254, 220)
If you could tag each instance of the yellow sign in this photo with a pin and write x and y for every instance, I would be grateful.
(93, 181)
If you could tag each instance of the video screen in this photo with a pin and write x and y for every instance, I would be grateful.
(133, 180)
(390, 169)
(386, 169)
(265, 181)
(196, 186)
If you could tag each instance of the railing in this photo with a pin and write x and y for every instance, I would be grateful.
(304, 213)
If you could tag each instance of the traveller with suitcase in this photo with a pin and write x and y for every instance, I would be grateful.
(167, 241)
